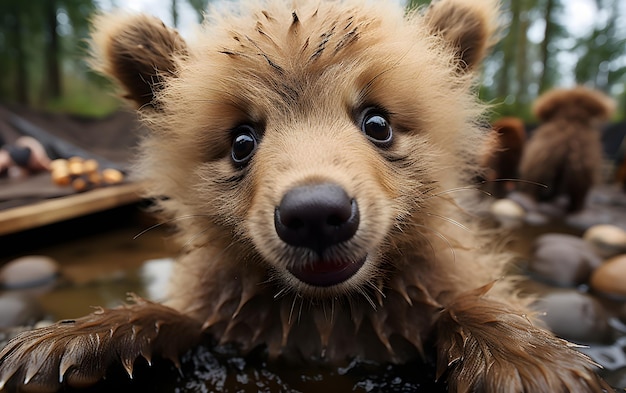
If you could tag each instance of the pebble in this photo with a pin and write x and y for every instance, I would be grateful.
(562, 260)
(610, 278)
(588, 218)
(507, 211)
(554, 209)
(17, 309)
(607, 240)
(524, 200)
(29, 271)
(575, 316)
(536, 219)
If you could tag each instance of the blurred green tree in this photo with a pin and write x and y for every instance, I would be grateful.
(602, 54)
(43, 47)
(539, 51)
(37, 38)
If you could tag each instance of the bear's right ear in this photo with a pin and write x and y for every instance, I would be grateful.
(138, 52)
(470, 26)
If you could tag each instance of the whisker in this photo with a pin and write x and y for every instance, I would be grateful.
(407, 225)
(457, 189)
(324, 310)
(293, 306)
(441, 236)
(367, 297)
(376, 287)
(197, 235)
(516, 181)
(450, 220)
(280, 292)
(483, 182)
(300, 310)
(168, 222)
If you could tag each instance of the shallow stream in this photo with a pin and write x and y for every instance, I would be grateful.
(101, 260)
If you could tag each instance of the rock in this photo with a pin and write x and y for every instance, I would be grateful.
(553, 209)
(588, 218)
(616, 377)
(536, 219)
(29, 271)
(606, 240)
(610, 278)
(549, 238)
(17, 309)
(575, 316)
(524, 200)
(507, 211)
(562, 260)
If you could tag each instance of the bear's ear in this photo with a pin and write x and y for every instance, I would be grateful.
(470, 26)
(138, 52)
(575, 103)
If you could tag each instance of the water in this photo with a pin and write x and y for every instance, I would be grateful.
(102, 260)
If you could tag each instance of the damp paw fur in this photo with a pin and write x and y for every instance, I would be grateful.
(77, 353)
(485, 346)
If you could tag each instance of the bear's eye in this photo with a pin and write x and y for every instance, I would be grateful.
(377, 128)
(244, 144)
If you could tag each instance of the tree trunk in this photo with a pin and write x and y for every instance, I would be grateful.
(508, 52)
(545, 47)
(21, 72)
(175, 13)
(521, 60)
(53, 69)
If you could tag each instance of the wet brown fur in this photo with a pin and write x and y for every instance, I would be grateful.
(303, 75)
(565, 151)
(503, 154)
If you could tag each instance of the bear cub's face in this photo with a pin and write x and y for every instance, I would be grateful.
(316, 138)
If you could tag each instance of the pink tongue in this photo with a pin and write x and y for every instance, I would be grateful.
(325, 273)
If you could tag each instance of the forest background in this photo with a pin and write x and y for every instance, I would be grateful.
(43, 50)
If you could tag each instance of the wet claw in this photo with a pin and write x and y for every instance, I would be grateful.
(78, 352)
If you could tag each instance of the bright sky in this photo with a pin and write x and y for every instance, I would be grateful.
(579, 14)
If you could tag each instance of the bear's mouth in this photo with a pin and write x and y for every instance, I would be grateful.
(326, 273)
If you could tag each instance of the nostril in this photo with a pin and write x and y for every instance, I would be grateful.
(316, 216)
(295, 224)
(334, 221)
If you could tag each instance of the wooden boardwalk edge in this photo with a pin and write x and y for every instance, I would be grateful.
(63, 208)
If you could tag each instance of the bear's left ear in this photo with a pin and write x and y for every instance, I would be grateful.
(469, 26)
(138, 51)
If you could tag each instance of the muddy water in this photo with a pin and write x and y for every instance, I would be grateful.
(102, 260)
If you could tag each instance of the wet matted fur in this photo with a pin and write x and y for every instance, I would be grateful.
(313, 156)
(564, 153)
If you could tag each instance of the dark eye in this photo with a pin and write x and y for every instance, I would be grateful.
(244, 144)
(377, 128)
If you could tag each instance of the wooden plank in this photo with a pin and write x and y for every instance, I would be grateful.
(64, 208)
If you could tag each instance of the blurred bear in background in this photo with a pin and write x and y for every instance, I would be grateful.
(565, 152)
(503, 155)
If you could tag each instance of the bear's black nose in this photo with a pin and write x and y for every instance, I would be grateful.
(316, 216)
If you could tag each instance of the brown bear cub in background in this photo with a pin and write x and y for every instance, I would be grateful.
(565, 151)
(504, 151)
(310, 155)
